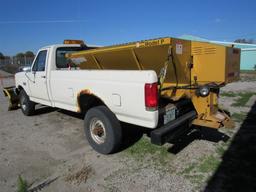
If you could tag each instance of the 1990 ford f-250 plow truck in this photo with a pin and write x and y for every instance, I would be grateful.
(166, 85)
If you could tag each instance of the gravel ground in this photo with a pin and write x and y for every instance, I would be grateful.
(237, 87)
(49, 150)
(240, 87)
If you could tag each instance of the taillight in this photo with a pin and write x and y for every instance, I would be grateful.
(151, 96)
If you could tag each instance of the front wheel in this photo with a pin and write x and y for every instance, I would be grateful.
(103, 130)
(27, 106)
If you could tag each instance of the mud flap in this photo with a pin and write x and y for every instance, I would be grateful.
(13, 97)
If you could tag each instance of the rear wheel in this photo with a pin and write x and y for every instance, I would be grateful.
(103, 130)
(27, 106)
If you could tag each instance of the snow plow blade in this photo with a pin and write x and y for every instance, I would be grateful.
(13, 97)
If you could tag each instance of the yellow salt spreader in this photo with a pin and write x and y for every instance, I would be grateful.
(187, 70)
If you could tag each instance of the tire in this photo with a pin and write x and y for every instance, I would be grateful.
(103, 130)
(27, 106)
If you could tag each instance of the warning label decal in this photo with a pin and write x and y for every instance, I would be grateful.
(179, 48)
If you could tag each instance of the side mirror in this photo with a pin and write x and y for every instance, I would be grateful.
(25, 69)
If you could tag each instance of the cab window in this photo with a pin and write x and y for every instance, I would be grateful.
(62, 61)
(40, 61)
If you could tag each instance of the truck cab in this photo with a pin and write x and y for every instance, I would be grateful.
(36, 79)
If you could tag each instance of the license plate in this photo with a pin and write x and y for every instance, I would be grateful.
(170, 114)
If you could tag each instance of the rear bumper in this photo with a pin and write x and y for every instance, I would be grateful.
(169, 131)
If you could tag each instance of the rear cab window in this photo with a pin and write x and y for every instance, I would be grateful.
(62, 62)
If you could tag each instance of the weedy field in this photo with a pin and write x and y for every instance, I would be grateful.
(48, 152)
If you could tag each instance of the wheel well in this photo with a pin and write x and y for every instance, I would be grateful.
(87, 101)
(19, 89)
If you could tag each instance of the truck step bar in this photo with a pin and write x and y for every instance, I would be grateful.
(168, 132)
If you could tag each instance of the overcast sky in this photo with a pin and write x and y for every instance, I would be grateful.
(31, 24)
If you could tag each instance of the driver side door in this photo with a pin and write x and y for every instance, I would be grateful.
(38, 86)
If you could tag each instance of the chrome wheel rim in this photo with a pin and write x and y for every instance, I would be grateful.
(97, 130)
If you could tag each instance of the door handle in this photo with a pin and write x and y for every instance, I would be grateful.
(43, 76)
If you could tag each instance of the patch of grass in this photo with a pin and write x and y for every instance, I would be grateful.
(196, 179)
(204, 165)
(198, 172)
(239, 117)
(144, 148)
(189, 169)
(229, 94)
(220, 150)
(243, 98)
(22, 185)
(209, 164)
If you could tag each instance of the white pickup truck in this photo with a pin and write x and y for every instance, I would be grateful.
(107, 96)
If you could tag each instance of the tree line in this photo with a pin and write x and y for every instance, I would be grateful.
(27, 54)
(243, 40)
(25, 58)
